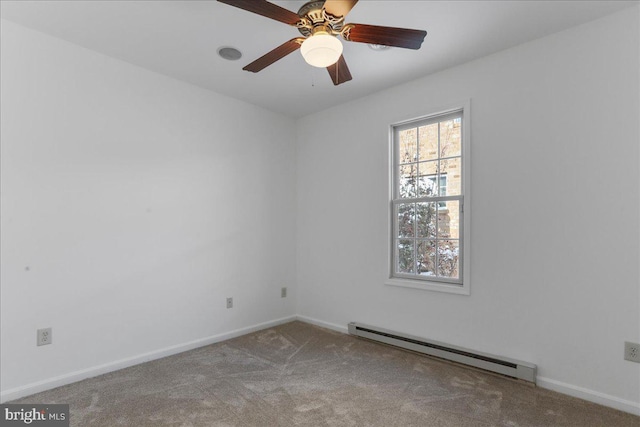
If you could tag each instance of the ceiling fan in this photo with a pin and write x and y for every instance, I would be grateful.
(320, 22)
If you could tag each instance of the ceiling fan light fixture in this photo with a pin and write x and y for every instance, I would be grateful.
(321, 50)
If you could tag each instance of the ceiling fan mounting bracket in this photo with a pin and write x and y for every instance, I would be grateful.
(346, 32)
(314, 18)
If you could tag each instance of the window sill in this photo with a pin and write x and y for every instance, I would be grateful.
(428, 286)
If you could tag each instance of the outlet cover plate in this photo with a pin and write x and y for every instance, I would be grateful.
(283, 293)
(44, 336)
(229, 302)
(632, 351)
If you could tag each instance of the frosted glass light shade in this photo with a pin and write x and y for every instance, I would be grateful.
(321, 50)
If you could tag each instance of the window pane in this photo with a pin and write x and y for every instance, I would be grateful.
(406, 219)
(449, 220)
(428, 142)
(427, 186)
(407, 180)
(448, 254)
(426, 257)
(408, 148)
(450, 138)
(426, 220)
(452, 169)
(405, 256)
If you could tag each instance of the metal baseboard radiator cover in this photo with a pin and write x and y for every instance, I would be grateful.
(502, 365)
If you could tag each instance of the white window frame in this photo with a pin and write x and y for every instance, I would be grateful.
(462, 286)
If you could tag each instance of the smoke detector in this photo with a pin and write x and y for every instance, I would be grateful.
(229, 53)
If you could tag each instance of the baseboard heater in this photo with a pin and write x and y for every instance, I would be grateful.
(509, 367)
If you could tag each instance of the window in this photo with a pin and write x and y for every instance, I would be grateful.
(429, 168)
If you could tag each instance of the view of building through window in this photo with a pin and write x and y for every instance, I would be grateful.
(428, 199)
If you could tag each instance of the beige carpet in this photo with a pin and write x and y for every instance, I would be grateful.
(301, 375)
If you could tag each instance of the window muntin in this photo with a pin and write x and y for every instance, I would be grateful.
(427, 200)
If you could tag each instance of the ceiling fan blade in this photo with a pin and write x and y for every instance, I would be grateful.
(388, 36)
(276, 54)
(339, 72)
(339, 8)
(265, 8)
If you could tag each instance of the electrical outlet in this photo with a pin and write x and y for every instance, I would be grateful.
(632, 351)
(229, 302)
(283, 293)
(44, 336)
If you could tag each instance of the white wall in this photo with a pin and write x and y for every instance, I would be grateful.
(132, 206)
(555, 222)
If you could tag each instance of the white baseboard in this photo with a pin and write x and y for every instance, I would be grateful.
(48, 384)
(323, 324)
(589, 395)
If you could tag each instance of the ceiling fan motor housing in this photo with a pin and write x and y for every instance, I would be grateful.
(314, 18)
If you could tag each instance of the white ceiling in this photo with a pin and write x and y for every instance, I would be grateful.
(180, 39)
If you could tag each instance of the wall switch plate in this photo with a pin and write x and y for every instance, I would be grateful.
(632, 351)
(283, 293)
(44, 336)
(229, 302)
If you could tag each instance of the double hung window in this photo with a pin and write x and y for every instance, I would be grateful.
(428, 195)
